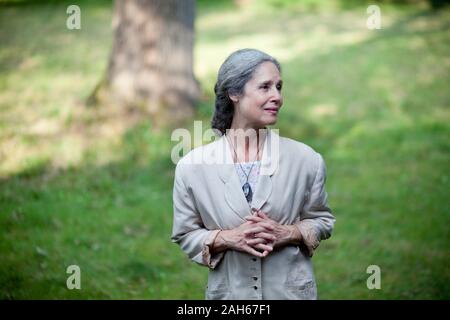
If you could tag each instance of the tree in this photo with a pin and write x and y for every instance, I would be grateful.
(151, 63)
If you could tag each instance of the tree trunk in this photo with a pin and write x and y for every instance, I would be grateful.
(151, 64)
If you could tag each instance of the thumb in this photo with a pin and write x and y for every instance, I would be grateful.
(262, 214)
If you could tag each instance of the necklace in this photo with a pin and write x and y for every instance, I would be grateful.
(248, 192)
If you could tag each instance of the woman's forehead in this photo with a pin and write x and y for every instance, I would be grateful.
(266, 71)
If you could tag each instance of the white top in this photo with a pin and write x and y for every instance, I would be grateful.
(252, 176)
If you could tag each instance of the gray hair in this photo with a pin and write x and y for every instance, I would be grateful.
(234, 73)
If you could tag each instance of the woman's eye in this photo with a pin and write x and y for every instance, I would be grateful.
(265, 87)
(279, 88)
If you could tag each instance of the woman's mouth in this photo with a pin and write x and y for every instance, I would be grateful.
(272, 111)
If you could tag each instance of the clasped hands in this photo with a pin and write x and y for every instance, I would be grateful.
(258, 236)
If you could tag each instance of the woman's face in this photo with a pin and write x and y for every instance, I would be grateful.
(261, 101)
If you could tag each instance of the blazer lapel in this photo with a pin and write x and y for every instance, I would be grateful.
(234, 196)
(269, 164)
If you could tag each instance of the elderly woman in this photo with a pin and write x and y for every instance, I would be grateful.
(255, 215)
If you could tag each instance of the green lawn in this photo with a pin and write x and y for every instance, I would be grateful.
(93, 187)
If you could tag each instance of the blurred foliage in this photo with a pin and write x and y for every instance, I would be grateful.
(93, 187)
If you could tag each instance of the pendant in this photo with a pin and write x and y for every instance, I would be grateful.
(247, 192)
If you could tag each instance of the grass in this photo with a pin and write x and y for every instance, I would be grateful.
(93, 187)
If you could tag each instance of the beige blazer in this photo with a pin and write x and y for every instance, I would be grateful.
(208, 197)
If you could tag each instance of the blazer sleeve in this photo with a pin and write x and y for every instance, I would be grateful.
(188, 229)
(316, 219)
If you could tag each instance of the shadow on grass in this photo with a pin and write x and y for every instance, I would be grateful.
(114, 221)
(361, 105)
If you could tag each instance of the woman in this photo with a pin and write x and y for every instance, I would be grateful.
(255, 215)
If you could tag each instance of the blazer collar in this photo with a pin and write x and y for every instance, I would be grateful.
(234, 195)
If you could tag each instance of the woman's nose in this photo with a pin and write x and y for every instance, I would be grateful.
(276, 96)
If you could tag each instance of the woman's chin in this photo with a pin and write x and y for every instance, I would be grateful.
(270, 120)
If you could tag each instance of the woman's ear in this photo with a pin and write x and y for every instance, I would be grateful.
(234, 98)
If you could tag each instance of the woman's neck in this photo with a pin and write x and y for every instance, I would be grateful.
(247, 143)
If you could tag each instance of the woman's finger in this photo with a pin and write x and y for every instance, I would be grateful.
(254, 218)
(262, 214)
(252, 251)
(266, 225)
(264, 247)
(262, 222)
(260, 227)
(255, 229)
(255, 241)
(265, 235)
